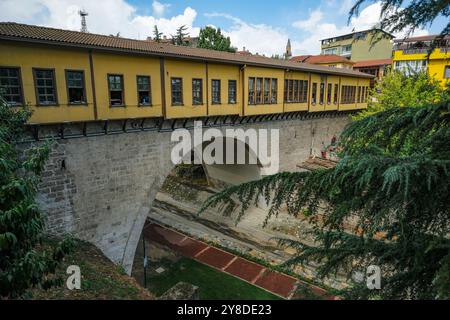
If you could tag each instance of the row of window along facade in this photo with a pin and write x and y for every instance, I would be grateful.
(260, 90)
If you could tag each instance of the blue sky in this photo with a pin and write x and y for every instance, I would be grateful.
(260, 26)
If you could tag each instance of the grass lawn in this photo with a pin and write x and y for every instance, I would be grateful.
(213, 284)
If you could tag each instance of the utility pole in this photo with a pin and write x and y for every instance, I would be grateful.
(83, 15)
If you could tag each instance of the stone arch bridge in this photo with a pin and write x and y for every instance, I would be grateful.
(102, 177)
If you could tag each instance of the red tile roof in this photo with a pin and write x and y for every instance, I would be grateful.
(50, 36)
(372, 63)
(322, 58)
(300, 58)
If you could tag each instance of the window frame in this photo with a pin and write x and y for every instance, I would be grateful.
(235, 91)
(313, 93)
(201, 92)
(149, 90)
(336, 94)
(322, 93)
(273, 90)
(212, 91)
(181, 103)
(445, 72)
(123, 90)
(22, 97)
(253, 95)
(83, 79)
(261, 91)
(329, 93)
(38, 103)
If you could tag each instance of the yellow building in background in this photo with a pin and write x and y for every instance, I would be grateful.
(412, 55)
(69, 76)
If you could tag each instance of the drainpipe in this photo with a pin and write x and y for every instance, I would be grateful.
(242, 72)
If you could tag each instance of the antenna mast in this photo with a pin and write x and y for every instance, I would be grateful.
(83, 15)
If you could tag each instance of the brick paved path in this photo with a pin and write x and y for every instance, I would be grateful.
(277, 283)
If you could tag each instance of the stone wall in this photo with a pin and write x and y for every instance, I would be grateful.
(101, 188)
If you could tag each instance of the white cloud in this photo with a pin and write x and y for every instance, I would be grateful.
(159, 9)
(258, 38)
(314, 18)
(105, 17)
(367, 19)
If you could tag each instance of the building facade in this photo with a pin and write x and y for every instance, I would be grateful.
(377, 68)
(413, 55)
(360, 46)
(68, 76)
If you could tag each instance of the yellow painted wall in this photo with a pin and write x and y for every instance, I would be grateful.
(186, 70)
(331, 106)
(363, 83)
(295, 75)
(130, 67)
(318, 79)
(250, 72)
(27, 57)
(347, 81)
(224, 73)
(437, 62)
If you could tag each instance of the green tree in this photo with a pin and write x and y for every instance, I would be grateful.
(397, 89)
(212, 38)
(392, 183)
(179, 38)
(156, 34)
(415, 14)
(22, 265)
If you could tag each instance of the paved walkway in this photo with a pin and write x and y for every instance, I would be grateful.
(277, 283)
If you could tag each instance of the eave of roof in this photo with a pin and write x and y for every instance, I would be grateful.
(372, 63)
(352, 33)
(74, 39)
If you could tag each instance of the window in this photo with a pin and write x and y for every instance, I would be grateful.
(314, 93)
(329, 93)
(251, 90)
(322, 92)
(45, 84)
(115, 82)
(144, 90)
(266, 90)
(215, 91)
(259, 90)
(358, 94)
(76, 93)
(11, 86)
(348, 95)
(291, 91)
(286, 90)
(274, 88)
(305, 91)
(447, 72)
(336, 94)
(411, 67)
(295, 89)
(177, 91)
(197, 91)
(232, 91)
(347, 49)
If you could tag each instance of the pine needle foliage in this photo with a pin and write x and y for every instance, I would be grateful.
(22, 264)
(386, 203)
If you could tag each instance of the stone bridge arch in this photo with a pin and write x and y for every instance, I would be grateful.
(100, 188)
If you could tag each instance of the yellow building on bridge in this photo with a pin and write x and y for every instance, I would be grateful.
(68, 76)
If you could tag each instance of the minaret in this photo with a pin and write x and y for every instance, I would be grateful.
(288, 53)
(83, 15)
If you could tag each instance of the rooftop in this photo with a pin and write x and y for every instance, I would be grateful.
(372, 63)
(357, 32)
(421, 38)
(322, 58)
(67, 38)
